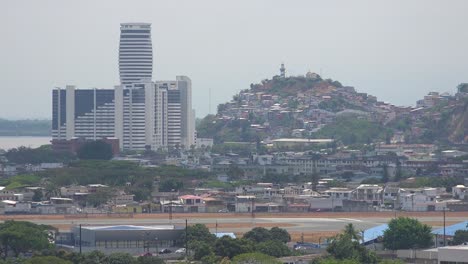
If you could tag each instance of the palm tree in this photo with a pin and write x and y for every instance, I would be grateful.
(351, 232)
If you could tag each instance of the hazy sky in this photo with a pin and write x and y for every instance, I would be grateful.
(397, 50)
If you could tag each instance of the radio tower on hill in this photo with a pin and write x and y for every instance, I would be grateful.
(282, 71)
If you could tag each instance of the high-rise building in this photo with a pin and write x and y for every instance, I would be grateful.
(140, 113)
(143, 116)
(184, 85)
(135, 53)
(174, 126)
(87, 113)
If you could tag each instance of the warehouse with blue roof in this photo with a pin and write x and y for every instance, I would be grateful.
(373, 234)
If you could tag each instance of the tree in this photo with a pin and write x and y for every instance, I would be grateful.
(95, 150)
(346, 246)
(398, 171)
(258, 234)
(407, 233)
(335, 261)
(100, 197)
(351, 232)
(273, 248)
(94, 257)
(37, 197)
(170, 185)
(385, 176)
(199, 233)
(21, 237)
(47, 260)
(201, 249)
(230, 247)
(461, 236)
(149, 260)
(280, 234)
(254, 258)
(234, 172)
(120, 258)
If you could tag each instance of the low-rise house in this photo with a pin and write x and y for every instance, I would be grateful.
(122, 198)
(193, 204)
(16, 207)
(63, 205)
(214, 205)
(244, 203)
(7, 194)
(460, 192)
(297, 208)
(390, 196)
(72, 190)
(425, 199)
(370, 193)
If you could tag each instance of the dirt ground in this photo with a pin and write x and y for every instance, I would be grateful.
(358, 215)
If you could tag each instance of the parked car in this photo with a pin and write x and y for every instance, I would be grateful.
(165, 251)
(180, 250)
(223, 211)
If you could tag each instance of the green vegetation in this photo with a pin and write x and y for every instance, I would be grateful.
(418, 182)
(25, 127)
(19, 237)
(407, 233)
(20, 181)
(43, 154)
(257, 258)
(352, 130)
(95, 150)
(114, 174)
(95, 257)
(345, 248)
(461, 236)
(227, 130)
(209, 249)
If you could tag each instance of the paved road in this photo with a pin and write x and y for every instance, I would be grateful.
(242, 224)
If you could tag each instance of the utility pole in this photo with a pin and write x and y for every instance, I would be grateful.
(444, 227)
(252, 209)
(80, 238)
(186, 238)
(170, 211)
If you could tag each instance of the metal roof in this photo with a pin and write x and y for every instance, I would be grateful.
(220, 235)
(129, 228)
(450, 230)
(373, 233)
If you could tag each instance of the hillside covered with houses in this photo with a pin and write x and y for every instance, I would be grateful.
(311, 107)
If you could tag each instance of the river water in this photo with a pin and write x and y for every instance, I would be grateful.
(14, 142)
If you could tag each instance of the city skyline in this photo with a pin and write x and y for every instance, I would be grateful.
(380, 49)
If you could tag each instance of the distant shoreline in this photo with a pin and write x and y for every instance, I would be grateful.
(25, 128)
(9, 142)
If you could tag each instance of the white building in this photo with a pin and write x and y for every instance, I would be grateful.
(140, 113)
(421, 200)
(135, 53)
(184, 85)
(371, 193)
(453, 254)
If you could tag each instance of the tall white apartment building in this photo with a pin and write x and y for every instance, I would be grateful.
(141, 121)
(174, 114)
(135, 53)
(184, 85)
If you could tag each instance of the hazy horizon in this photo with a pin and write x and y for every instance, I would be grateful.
(396, 50)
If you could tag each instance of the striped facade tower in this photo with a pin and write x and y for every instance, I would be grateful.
(135, 53)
